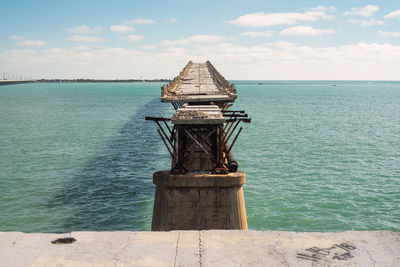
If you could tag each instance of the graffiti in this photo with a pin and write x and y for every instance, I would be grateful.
(337, 252)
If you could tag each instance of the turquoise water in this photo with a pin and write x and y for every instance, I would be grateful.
(317, 157)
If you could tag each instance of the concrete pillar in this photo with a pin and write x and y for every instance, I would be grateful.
(198, 201)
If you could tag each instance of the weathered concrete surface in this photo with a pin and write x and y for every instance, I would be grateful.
(202, 248)
(199, 201)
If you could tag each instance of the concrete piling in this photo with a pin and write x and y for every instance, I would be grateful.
(199, 201)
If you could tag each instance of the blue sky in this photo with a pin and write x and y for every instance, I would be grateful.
(271, 40)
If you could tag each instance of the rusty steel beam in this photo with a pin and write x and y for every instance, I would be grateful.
(197, 142)
(149, 118)
(234, 140)
(233, 111)
(236, 115)
(166, 136)
(230, 133)
(165, 143)
(204, 140)
(169, 129)
(246, 120)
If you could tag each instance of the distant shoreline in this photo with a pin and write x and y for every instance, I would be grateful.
(242, 82)
(11, 82)
(101, 81)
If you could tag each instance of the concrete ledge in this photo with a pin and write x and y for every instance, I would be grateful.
(166, 179)
(202, 248)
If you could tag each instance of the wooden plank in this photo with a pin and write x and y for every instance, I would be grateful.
(199, 82)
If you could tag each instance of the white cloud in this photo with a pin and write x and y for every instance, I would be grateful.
(149, 47)
(133, 37)
(140, 21)
(176, 51)
(391, 34)
(121, 28)
(85, 30)
(366, 11)
(17, 37)
(203, 38)
(279, 60)
(80, 47)
(285, 60)
(305, 30)
(70, 63)
(394, 14)
(31, 43)
(25, 42)
(255, 34)
(323, 8)
(225, 50)
(321, 14)
(85, 38)
(173, 20)
(271, 19)
(370, 22)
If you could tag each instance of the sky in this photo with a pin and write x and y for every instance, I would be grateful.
(245, 40)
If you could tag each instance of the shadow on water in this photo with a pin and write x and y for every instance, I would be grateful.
(114, 190)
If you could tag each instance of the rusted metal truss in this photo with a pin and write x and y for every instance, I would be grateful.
(177, 104)
(208, 144)
(162, 131)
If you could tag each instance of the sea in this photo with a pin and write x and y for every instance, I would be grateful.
(320, 156)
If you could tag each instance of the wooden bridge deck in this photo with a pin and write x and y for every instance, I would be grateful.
(199, 82)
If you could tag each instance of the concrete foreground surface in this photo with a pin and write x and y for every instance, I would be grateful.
(202, 248)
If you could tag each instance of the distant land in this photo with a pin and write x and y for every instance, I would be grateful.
(11, 82)
(96, 80)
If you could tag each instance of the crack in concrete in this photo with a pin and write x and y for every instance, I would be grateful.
(118, 254)
(119, 260)
(200, 250)
(284, 261)
(83, 251)
(372, 259)
(113, 256)
(176, 249)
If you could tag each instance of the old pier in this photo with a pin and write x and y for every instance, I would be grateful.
(203, 188)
